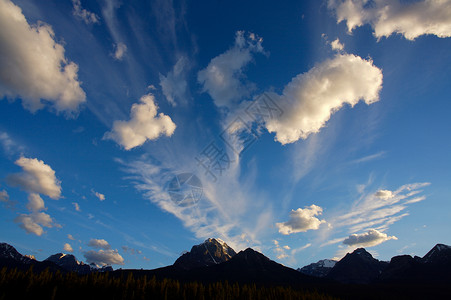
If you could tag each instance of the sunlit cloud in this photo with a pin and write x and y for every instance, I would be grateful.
(386, 17)
(302, 220)
(34, 65)
(223, 79)
(144, 124)
(311, 98)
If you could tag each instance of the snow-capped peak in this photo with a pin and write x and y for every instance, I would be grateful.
(327, 263)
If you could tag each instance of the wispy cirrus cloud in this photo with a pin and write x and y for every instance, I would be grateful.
(174, 84)
(369, 217)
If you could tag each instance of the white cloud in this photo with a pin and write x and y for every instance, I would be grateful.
(302, 220)
(33, 65)
(76, 206)
(144, 124)
(224, 210)
(310, 99)
(384, 194)
(99, 243)
(174, 83)
(35, 202)
(380, 209)
(34, 222)
(4, 197)
(411, 19)
(37, 177)
(9, 146)
(70, 237)
(280, 251)
(85, 15)
(368, 239)
(223, 78)
(336, 45)
(104, 257)
(99, 195)
(68, 248)
(120, 50)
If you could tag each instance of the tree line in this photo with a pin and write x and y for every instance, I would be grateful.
(19, 284)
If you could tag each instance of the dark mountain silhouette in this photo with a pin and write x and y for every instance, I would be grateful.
(250, 266)
(70, 263)
(318, 269)
(214, 261)
(246, 267)
(211, 252)
(357, 267)
(11, 258)
(434, 267)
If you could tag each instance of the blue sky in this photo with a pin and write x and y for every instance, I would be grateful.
(303, 129)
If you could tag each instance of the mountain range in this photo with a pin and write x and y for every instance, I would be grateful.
(213, 260)
(11, 258)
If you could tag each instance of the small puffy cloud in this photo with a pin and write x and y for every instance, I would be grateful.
(33, 65)
(120, 50)
(4, 197)
(132, 251)
(99, 243)
(302, 220)
(310, 99)
(104, 257)
(384, 194)
(280, 252)
(368, 239)
(37, 177)
(144, 124)
(223, 78)
(35, 202)
(76, 206)
(68, 248)
(336, 45)
(85, 15)
(70, 237)
(34, 222)
(411, 19)
(174, 83)
(99, 195)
